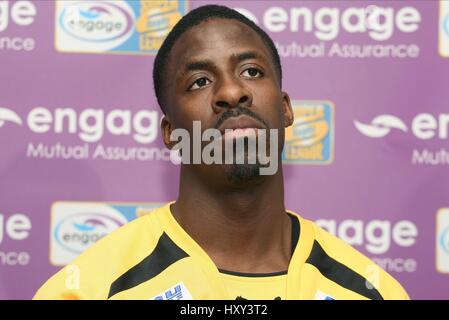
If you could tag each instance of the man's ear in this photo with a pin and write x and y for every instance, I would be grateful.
(287, 110)
(167, 128)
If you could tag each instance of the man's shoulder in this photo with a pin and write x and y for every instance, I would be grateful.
(107, 259)
(343, 264)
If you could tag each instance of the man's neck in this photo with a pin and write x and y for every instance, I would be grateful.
(241, 229)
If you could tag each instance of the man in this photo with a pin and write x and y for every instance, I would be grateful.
(228, 235)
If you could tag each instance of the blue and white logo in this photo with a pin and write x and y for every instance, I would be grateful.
(93, 26)
(442, 240)
(177, 292)
(446, 25)
(96, 22)
(323, 296)
(115, 26)
(444, 28)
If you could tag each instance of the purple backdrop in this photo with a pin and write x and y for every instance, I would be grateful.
(374, 73)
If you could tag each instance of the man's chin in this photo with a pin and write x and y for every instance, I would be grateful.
(241, 174)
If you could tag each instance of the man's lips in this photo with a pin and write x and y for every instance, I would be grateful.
(240, 126)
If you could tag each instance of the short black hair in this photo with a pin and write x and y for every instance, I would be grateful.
(194, 18)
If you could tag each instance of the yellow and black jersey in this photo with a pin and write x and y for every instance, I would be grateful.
(152, 257)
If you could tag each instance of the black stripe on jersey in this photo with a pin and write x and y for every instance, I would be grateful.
(253, 275)
(165, 254)
(341, 274)
(295, 232)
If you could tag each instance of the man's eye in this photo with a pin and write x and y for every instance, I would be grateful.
(198, 84)
(252, 73)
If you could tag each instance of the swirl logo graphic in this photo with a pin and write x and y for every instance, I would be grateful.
(380, 126)
(9, 115)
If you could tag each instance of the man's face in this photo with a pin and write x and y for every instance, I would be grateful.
(222, 74)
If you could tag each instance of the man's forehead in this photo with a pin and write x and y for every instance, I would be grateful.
(226, 37)
(216, 29)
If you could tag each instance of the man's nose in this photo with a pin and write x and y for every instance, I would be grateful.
(231, 93)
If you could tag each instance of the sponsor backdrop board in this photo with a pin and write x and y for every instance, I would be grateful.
(367, 158)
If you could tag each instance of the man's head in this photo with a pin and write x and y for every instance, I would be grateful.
(192, 19)
(219, 68)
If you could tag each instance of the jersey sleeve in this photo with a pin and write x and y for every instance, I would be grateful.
(349, 261)
(92, 273)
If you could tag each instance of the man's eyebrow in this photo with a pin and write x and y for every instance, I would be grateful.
(209, 64)
(247, 55)
(199, 65)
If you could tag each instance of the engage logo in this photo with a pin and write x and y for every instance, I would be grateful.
(318, 31)
(444, 29)
(95, 25)
(424, 126)
(75, 226)
(310, 140)
(20, 13)
(77, 232)
(326, 23)
(15, 227)
(115, 26)
(377, 237)
(89, 124)
(442, 241)
(96, 22)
